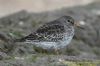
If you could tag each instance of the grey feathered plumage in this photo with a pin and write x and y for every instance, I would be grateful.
(60, 31)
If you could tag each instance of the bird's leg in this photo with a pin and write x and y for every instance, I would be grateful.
(56, 49)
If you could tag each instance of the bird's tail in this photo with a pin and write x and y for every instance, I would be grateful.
(29, 37)
(20, 40)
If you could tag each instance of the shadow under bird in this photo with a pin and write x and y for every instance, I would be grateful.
(56, 34)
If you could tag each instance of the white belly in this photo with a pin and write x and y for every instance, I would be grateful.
(53, 45)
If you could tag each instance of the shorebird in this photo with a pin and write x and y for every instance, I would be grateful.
(55, 34)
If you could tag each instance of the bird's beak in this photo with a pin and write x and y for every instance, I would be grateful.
(79, 24)
(76, 24)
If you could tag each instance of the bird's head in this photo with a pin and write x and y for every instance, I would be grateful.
(67, 20)
(70, 21)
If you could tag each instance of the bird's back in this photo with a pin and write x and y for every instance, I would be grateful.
(50, 32)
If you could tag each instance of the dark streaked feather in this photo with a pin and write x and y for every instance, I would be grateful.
(52, 31)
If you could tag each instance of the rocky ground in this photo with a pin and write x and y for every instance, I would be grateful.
(84, 46)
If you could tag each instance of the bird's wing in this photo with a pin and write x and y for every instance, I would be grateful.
(52, 31)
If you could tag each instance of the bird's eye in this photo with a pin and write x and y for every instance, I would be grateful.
(69, 20)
